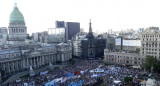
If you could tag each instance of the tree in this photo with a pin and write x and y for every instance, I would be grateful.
(103, 85)
(106, 63)
(149, 62)
(128, 79)
(158, 67)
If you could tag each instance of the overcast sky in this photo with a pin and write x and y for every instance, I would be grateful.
(105, 14)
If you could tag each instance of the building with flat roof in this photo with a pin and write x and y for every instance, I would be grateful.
(72, 28)
(123, 58)
(150, 42)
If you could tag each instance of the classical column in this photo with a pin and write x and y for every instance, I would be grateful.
(67, 56)
(51, 60)
(27, 63)
(62, 57)
(55, 58)
(0, 77)
(43, 60)
(30, 59)
(8, 67)
(34, 62)
(13, 67)
(4, 67)
(17, 66)
(40, 60)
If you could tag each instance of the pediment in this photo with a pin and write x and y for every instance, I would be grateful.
(35, 53)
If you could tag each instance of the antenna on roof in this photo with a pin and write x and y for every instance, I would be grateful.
(15, 3)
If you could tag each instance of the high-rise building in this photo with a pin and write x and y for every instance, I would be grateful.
(60, 24)
(17, 27)
(76, 43)
(72, 28)
(150, 42)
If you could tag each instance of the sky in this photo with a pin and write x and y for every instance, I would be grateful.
(117, 15)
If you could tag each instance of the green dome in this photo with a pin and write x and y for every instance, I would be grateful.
(16, 16)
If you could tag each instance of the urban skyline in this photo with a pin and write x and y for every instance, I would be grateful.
(105, 15)
(54, 43)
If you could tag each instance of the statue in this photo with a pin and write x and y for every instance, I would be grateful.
(50, 66)
(31, 72)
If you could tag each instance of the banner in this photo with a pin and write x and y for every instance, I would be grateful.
(43, 73)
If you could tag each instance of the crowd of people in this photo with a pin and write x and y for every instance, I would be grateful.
(82, 72)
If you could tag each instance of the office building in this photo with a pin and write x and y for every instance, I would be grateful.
(72, 28)
(150, 42)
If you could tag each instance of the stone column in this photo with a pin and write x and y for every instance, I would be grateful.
(55, 58)
(38, 61)
(62, 57)
(13, 67)
(27, 63)
(43, 60)
(0, 77)
(8, 67)
(18, 63)
(34, 62)
(30, 59)
(51, 58)
(67, 56)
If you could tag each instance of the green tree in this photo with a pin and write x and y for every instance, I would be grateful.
(103, 85)
(157, 68)
(128, 79)
(149, 62)
(106, 63)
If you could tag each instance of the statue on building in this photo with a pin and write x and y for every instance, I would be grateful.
(31, 71)
(50, 66)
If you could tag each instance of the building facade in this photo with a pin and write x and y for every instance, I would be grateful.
(76, 43)
(3, 35)
(72, 28)
(92, 47)
(17, 28)
(126, 44)
(123, 58)
(56, 35)
(150, 42)
(21, 58)
(41, 37)
(110, 43)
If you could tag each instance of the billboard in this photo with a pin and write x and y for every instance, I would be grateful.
(128, 42)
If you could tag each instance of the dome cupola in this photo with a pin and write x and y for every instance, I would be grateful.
(16, 16)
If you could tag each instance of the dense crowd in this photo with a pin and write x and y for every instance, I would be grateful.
(111, 75)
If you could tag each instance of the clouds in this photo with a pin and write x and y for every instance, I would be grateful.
(105, 14)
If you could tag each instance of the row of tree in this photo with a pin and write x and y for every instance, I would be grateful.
(150, 61)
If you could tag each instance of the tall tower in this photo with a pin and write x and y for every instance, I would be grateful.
(17, 28)
(91, 43)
